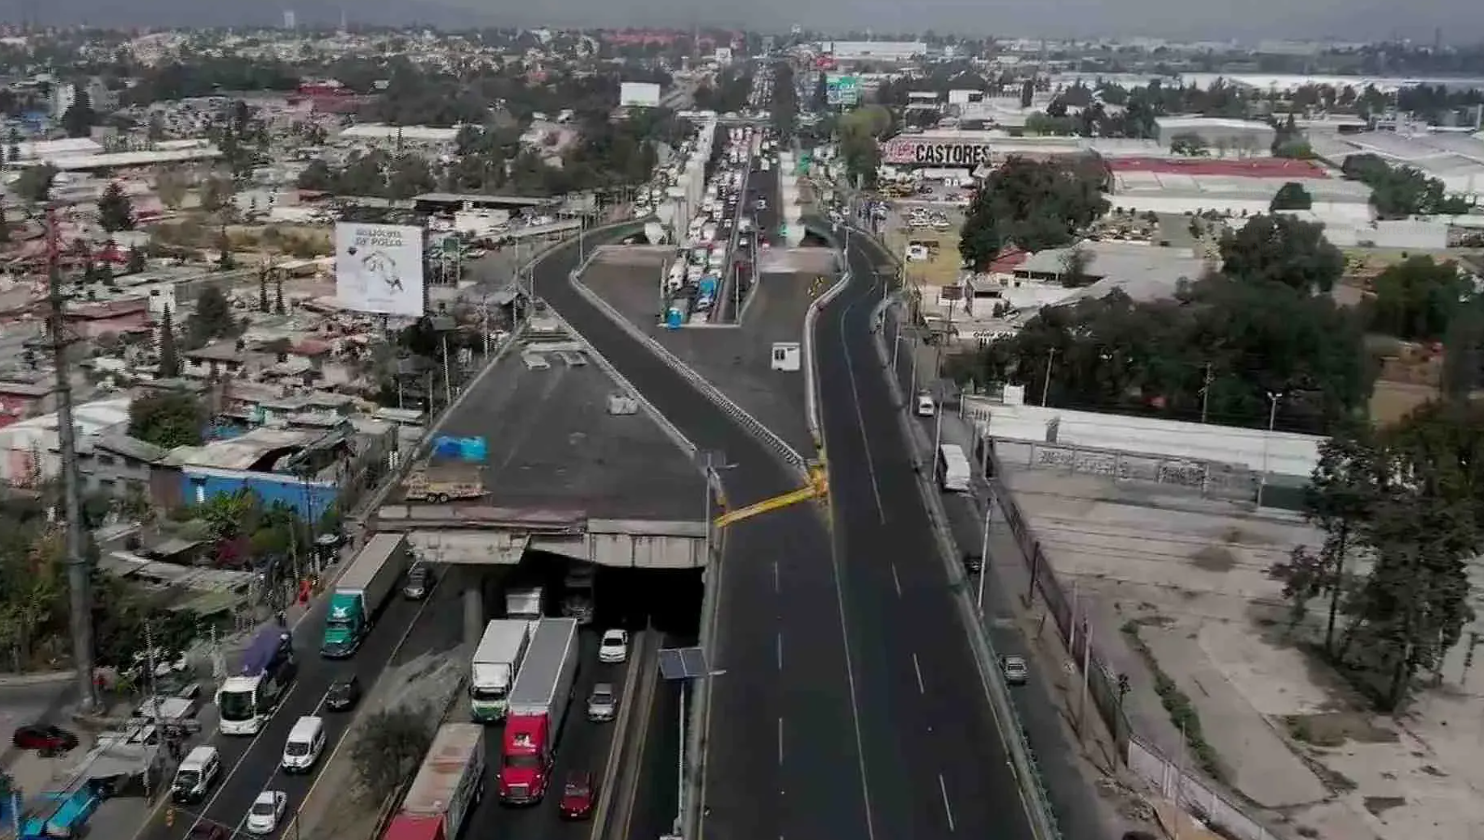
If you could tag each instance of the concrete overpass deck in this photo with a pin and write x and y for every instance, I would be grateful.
(569, 469)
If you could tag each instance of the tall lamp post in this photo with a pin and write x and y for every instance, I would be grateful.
(1274, 397)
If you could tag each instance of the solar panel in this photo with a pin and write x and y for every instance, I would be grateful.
(683, 663)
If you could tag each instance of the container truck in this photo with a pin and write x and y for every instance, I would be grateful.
(361, 592)
(537, 709)
(447, 786)
(496, 662)
(246, 701)
(526, 602)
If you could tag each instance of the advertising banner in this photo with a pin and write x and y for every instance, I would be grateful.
(842, 90)
(638, 95)
(968, 154)
(379, 268)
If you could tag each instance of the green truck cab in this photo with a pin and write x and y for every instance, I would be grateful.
(362, 592)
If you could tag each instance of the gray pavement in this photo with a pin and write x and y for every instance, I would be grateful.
(553, 444)
(776, 575)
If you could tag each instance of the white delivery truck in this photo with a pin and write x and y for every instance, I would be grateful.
(446, 787)
(496, 662)
(526, 602)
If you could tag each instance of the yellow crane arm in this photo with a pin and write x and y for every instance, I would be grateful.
(818, 486)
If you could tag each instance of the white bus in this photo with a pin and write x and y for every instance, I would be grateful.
(953, 468)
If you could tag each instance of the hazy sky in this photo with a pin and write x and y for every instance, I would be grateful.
(1462, 21)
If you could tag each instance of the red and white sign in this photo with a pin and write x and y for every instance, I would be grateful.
(967, 154)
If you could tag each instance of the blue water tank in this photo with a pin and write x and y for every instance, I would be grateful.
(674, 318)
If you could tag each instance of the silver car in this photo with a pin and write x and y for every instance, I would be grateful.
(602, 704)
(1015, 669)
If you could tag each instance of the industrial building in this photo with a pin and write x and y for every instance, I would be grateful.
(887, 51)
(1221, 136)
(1455, 158)
(1235, 188)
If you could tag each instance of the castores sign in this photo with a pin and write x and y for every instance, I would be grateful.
(937, 153)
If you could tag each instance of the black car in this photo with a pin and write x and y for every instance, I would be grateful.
(419, 583)
(343, 694)
(973, 561)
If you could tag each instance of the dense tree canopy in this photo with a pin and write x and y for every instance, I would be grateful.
(1417, 299)
(1401, 191)
(785, 104)
(1032, 204)
(168, 419)
(1292, 196)
(1281, 249)
(860, 130)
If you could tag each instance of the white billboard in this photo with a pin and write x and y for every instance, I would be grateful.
(638, 95)
(379, 268)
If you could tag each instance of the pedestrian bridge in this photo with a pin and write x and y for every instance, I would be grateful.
(478, 535)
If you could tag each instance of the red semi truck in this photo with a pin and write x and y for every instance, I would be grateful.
(538, 706)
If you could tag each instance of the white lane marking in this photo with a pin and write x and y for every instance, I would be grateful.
(780, 740)
(917, 668)
(896, 581)
(947, 809)
(221, 786)
(289, 812)
(779, 650)
(776, 587)
(860, 417)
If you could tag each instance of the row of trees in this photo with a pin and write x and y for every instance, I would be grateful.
(1398, 192)
(1402, 511)
(1034, 205)
(785, 104)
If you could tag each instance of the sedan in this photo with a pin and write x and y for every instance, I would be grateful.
(343, 694)
(615, 647)
(207, 831)
(419, 581)
(602, 704)
(266, 811)
(1016, 672)
(577, 796)
(45, 738)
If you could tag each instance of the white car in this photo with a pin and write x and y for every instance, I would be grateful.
(266, 811)
(615, 647)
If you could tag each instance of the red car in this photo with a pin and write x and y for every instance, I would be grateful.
(44, 738)
(578, 795)
(207, 831)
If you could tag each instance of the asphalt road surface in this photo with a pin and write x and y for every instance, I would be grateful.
(935, 762)
(252, 763)
(783, 755)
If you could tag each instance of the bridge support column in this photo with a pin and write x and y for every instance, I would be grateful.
(473, 612)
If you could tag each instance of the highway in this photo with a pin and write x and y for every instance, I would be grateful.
(583, 746)
(783, 746)
(252, 763)
(937, 765)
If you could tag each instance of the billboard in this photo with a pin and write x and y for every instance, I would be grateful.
(638, 95)
(842, 90)
(968, 154)
(379, 268)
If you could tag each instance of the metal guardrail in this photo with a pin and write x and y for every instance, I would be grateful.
(786, 453)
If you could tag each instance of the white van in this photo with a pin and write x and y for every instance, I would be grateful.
(306, 742)
(197, 774)
(953, 469)
(925, 405)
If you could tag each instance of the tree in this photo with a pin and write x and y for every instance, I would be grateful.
(216, 195)
(171, 187)
(78, 120)
(263, 290)
(168, 419)
(4, 226)
(34, 185)
(1074, 265)
(1189, 145)
(278, 307)
(115, 210)
(1282, 249)
(212, 319)
(388, 750)
(169, 359)
(1292, 196)
(1416, 299)
(1463, 351)
(137, 263)
(1033, 204)
(859, 133)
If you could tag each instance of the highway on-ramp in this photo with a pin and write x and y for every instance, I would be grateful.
(933, 749)
(783, 756)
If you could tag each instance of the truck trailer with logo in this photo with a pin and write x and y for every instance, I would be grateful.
(361, 593)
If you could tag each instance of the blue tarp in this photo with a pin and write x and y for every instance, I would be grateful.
(464, 449)
(707, 286)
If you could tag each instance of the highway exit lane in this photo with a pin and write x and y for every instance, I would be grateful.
(252, 764)
(936, 763)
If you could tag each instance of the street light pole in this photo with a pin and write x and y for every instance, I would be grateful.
(1046, 383)
(1274, 397)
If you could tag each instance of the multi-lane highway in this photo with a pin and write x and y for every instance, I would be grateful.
(936, 763)
(252, 763)
(784, 757)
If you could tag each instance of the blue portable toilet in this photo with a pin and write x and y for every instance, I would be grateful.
(674, 318)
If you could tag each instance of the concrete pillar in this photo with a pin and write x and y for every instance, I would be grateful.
(473, 612)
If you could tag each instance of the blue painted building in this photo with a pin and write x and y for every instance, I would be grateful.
(308, 498)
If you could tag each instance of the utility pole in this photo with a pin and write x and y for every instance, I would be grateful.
(1046, 383)
(1206, 392)
(81, 601)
